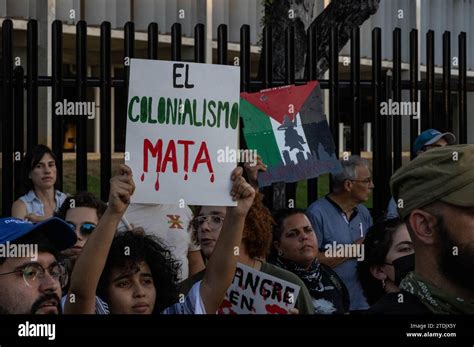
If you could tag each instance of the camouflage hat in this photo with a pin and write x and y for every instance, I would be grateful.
(442, 174)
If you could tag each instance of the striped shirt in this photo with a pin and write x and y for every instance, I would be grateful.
(101, 306)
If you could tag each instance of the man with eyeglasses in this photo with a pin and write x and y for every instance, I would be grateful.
(32, 285)
(341, 219)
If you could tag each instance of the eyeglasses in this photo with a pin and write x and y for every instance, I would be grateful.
(214, 222)
(368, 180)
(86, 228)
(32, 271)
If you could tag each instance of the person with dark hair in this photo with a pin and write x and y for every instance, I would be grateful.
(389, 257)
(340, 221)
(255, 246)
(170, 224)
(437, 190)
(295, 248)
(41, 199)
(127, 277)
(82, 212)
(148, 262)
(31, 280)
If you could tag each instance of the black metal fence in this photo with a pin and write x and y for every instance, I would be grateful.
(14, 83)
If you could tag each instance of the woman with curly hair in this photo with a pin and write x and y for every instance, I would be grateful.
(136, 275)
(146, 261)
(255, 246)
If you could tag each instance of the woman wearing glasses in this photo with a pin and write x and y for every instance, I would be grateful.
(42, 199)
(253, 250)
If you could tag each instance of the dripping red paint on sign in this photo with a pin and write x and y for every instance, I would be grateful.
(176, 128)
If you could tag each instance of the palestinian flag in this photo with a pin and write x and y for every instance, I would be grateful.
(287, 127)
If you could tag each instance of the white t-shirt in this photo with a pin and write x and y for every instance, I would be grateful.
(170, 224)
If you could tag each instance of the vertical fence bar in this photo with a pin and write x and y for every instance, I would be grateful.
(311, 59)
(105, 111)
(290, 188)
(430, 81)
(199, 44)
(244, 63)
(414, 86)
(153, 41)
(378, 126)
(397, 97)
(267, 83)
(57, 96)
(81, 123)
(222, 44)
(386, 139)
(245, 58)
(462, 94)
(334, 87)
(447, 124)
(7, 117)
(129, 52)
(18, 127)
(176, 42)
(355, 90)
(32, 84)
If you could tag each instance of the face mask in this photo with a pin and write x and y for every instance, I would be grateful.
(403, 266)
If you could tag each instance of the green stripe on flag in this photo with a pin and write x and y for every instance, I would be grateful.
(258, 133)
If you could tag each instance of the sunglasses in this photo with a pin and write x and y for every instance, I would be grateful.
(85, 229)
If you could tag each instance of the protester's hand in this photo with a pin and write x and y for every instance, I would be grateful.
(34, 218)
(252, 170)
(121, 189)
(242, 192)
(293, 311)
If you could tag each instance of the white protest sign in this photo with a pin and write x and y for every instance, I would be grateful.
(179, 115)
(256, 292)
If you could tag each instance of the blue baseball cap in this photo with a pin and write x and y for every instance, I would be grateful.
(54, 229)
(430, 136)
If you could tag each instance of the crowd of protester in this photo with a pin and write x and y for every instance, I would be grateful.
(115, 257)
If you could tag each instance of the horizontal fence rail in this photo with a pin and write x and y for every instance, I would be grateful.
(387, 133)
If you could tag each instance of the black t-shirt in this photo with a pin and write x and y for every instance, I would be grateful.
(399, 303)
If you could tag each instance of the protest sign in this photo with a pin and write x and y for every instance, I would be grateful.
(288, 129)
(256, 292)
(179, 116)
